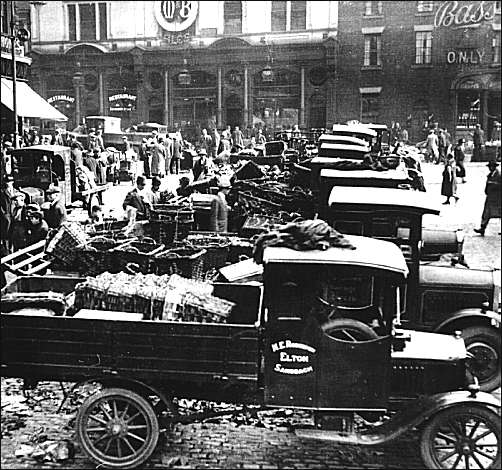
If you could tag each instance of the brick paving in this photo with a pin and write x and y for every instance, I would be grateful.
(227, 444)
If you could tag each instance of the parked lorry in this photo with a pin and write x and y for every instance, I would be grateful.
(282, 347)
(437, 298)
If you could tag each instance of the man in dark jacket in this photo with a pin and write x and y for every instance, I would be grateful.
(36, 226)
(91, 163)
(135, 200)
(491, 209)
(478, 139)
(56, 214)
(459, 155)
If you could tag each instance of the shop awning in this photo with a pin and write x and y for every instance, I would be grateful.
(29, 103)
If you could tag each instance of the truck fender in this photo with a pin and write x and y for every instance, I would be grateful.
(126, 382)
(468, 317)
(414, 414)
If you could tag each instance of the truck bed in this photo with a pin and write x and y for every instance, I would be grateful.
(72, 349)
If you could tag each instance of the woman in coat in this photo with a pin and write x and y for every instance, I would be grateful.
(449, 184)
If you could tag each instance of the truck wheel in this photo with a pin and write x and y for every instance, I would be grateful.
(483, 343)
(464, 436)
(348, 329)
(117, 428)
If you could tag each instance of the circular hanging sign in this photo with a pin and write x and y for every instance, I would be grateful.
(176, 16)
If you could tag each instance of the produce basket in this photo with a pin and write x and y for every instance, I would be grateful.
(172, 212)
(95, 257)
(217, 249)
(184, 261)
(136, 252)
(169, 231)
(63, 246)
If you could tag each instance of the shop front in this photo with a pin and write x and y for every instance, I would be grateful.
(476, 101)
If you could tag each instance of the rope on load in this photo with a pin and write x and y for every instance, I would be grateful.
(304, 235)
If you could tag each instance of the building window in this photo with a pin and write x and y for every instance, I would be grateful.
(232, 17)
(373, 8)
(497, 8)
(496, 48)
(370, 107)
(425, 7)
(299, 15)
(372, 49)
(87, 21)
(279, 16)
(5, 18)
(468, 106)
(423, 47)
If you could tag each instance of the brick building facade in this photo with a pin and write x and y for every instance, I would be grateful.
(420, 62)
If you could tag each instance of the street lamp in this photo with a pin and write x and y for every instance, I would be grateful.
(21, 35)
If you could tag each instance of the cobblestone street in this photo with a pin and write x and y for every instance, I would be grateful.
(234, 443)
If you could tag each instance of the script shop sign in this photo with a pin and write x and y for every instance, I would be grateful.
(464, 14)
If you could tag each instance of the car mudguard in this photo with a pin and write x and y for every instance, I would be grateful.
(414, 414)
(464, 318)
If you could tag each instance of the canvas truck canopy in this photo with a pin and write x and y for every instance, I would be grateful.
(353, 130)
(344, 150)
(342, 139)
(383, 197)
(368, 253)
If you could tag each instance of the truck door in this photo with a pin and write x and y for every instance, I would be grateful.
(290, 349)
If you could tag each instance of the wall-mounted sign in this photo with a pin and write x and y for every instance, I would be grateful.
(53, 99)
(176, 16)
(293, 358)
(457, 14)
(122, 102)
(465, 56)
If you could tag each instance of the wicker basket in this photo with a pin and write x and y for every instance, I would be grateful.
(95, 257)
(185, 261)
(63, 246)
(136, 252)
(169, 231)
(217, 250)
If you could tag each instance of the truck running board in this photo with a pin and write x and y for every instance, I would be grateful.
(368, 439)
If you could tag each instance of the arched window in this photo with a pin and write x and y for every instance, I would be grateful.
(232, 15)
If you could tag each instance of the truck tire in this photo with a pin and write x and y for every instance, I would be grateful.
(117, 428)
(458, 434)
(483, 342)
(347, 329)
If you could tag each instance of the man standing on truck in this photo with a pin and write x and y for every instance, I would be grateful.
(491, 209)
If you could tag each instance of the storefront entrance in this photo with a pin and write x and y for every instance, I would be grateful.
(233, 111)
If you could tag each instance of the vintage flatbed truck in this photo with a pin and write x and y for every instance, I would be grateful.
(281, 348)
(437, 298)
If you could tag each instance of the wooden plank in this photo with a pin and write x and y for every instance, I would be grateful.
(28, 249)
(28, 260)
(36, 269)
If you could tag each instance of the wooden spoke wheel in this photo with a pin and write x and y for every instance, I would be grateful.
(117, 428)
(483, 343)
(348, 329)
(464, 436)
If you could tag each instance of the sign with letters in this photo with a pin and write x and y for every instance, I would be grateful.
(53, 99)
(465, 56)
(293, 358)
(175, 16)
(464, 14)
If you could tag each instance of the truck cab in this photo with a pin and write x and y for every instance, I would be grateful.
(436, 298)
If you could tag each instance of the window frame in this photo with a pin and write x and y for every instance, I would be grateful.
(290, 16)
(97, 20)
(225, 19)
(423, 47)
(496, 47)
(425, 7)
(368, 50)
(276, 12)
(373, 8)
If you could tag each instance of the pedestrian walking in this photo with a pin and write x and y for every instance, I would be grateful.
(459, 155)
(215, 143)
(205, 141)
(449, 183)
(158, 158)
(168, 144)
(175, 162)
(478, 139)
(496, 139)
(17, 232)
(442, 145)
(144, 156)
(260, 138)
(238, 138)
(432, 147)
(491, 209)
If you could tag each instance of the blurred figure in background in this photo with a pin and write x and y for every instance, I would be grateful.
(491, 209)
